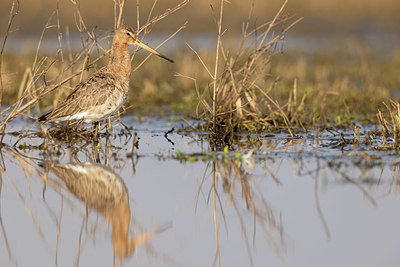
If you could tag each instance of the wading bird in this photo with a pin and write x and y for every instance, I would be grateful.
(105, 91)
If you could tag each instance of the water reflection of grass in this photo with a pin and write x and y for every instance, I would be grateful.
(243, 194)
(230, 183)
(233, 182)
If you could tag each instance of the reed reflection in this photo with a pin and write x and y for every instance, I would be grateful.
(233, 180)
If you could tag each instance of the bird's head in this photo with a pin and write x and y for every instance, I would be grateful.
(125, 35)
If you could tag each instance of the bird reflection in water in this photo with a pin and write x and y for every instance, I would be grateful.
(104, 191)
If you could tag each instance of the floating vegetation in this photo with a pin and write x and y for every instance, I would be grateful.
(225, 155)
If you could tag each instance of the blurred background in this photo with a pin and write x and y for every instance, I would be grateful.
(321, 17)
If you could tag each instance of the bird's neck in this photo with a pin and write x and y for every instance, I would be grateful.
(120, 62)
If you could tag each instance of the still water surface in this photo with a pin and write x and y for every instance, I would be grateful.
(287, 203)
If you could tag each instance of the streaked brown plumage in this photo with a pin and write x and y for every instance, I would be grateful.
(104, 92)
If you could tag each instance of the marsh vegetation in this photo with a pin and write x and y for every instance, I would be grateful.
(224, 133)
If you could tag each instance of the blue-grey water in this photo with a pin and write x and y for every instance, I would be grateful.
(289, 202)
(380, 44)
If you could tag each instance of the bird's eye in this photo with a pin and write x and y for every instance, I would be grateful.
(128, 33)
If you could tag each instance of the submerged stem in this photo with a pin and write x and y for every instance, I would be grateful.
(215, 216)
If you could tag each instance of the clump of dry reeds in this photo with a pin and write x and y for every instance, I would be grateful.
(240, 82)
(389, 126)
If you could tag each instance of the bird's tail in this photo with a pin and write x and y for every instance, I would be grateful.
(43, 117)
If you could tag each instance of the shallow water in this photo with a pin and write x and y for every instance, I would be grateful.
(289, 202)
(381, 44)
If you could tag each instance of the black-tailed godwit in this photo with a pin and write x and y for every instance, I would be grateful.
(104, 92)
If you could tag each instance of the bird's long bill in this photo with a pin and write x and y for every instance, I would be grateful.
(141, 44)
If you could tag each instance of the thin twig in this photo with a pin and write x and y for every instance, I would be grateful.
(13, 12)
(166, 13)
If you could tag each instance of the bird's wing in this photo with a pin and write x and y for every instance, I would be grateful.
(92, 92)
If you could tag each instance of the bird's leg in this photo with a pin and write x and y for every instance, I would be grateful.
(126, 128)
(108, 127)
(95, 150)
(96, 128)
(67, 130)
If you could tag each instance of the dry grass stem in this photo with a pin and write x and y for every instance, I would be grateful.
(13, 13)
(166, 13)
(118, 10)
